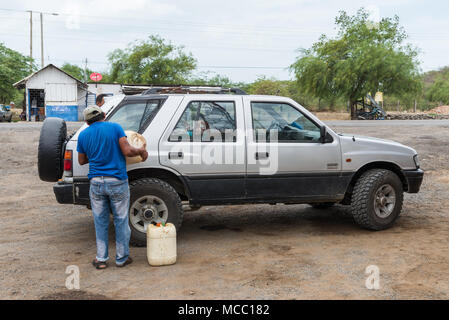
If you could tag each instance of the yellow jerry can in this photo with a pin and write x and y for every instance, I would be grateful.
(161, 244)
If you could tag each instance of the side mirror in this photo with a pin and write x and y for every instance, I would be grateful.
(323, 134)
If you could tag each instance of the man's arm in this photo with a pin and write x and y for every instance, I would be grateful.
(129, 151)
(82, 158)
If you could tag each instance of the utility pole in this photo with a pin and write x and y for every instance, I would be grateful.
(31, 40)
(85, 71)
(42, 35)
(42, 41)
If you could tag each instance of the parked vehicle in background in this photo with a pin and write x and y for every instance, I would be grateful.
(212, 146)
(5, 113)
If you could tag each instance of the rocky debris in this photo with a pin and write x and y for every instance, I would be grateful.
(417, 116)
(440, 110)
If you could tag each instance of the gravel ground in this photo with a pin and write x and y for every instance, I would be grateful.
(231, 252)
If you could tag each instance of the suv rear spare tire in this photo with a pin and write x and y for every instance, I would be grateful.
(50, 152)
(377, 199)
(152, 200)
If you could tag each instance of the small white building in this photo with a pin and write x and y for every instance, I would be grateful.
(51, 92)
(110, 89)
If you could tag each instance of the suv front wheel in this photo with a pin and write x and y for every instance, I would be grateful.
(152, 201)
(377, 199)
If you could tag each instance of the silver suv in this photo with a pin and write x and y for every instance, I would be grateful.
(213, 146)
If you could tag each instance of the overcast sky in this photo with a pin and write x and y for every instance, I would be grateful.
(239, 39)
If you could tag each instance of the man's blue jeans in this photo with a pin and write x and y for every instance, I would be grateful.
(110, 194)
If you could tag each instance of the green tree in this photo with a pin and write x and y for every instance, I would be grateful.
(210, 79)
(439, 90)
(13, 67)
(154, 61)
(269, 86)
(364, 57)
(76, 71)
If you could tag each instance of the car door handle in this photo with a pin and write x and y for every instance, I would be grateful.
(175, 155)
(262, 155)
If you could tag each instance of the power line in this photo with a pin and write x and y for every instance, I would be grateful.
(203, 67)
(259, 49)
(201, 29)
(179, 22)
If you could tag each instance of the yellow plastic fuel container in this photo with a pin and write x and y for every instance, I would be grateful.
(161, 244)
(137, 141)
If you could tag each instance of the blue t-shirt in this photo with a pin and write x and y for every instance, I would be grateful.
(100, 143)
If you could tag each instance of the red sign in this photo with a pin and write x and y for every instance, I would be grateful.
(95, 76)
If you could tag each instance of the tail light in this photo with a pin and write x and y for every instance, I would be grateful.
(68, 163)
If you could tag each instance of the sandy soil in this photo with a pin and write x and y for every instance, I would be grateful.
(325, 116)
(232, 252)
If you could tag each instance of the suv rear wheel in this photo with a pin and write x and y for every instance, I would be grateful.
(152, 200)
(377, 199)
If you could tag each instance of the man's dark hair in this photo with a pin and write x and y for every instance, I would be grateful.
(98, 117)
(99, 98)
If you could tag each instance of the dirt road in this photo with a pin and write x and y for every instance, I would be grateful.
(232, 252)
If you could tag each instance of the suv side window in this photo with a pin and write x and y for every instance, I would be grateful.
(205, 120)
(282, 119)
(135, 116)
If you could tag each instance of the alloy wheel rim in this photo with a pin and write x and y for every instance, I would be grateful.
(147, 209)
(384, 201)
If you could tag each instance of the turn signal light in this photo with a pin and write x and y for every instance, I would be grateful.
(68, 162)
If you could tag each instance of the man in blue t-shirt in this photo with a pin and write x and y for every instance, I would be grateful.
(104, 146)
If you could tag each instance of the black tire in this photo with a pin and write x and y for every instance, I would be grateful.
(363, 199)
(164, 191)
(322, 205)
(50, 152)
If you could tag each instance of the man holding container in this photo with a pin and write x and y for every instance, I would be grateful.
(104, 146)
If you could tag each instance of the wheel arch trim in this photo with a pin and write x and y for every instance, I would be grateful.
(376, 165)
(168, 175)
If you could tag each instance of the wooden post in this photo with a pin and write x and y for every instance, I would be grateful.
(353, 110)
(414, 106)
(397, 108)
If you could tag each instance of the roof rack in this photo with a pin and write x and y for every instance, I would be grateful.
(194, 90)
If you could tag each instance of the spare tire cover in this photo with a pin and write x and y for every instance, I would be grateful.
(50, 152)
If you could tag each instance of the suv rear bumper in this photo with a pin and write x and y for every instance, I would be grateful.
(72, 191)
(63, 192)
(414, 180)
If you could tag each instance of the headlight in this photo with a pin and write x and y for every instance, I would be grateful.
(415, 158)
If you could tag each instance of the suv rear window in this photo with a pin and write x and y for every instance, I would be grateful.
(136, 116)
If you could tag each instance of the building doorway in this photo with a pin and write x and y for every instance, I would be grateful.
(36, 102)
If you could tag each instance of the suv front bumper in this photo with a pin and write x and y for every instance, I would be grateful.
(414, 180)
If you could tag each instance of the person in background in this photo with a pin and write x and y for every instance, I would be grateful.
(99, 101)
(12, 105)
(104, 146)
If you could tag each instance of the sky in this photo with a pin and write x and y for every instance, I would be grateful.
(242, 40)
